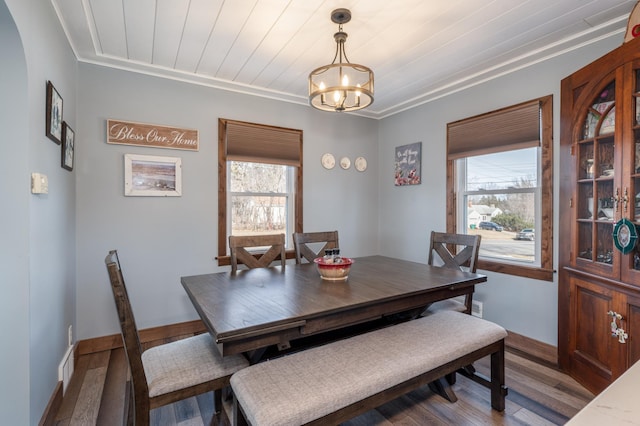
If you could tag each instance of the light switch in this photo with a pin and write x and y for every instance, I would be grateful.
(39, 183)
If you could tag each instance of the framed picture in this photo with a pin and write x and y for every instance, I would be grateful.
(151, 176)
(68, 145)
(408, 164)
(54, 114)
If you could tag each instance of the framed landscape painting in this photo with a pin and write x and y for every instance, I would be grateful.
(152, 176)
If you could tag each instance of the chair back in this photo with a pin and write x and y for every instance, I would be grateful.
(262, 258)
(456, 251)
(301, 241)
(129, 330)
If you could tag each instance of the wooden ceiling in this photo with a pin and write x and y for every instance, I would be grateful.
(419, 50)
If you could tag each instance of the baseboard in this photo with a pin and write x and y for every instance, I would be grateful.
(113, 341)
(532, 349)
(49, 415)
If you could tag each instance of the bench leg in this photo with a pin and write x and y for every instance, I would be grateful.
(442, 388)
(498, 389)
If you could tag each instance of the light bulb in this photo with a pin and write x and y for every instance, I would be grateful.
(336, 96)
(322, 86)
(357, 91)
(345, 80)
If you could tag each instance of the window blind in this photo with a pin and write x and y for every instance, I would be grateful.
(515, 127)
(260, 143)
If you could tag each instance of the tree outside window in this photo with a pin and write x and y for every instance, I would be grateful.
(260, 198)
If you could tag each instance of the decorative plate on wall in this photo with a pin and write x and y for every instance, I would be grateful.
(328, 161)
(345, 163)
(361, 164)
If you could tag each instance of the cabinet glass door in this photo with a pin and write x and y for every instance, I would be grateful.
(595, 183)
(630, 188)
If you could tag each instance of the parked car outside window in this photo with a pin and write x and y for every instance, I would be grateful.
(526, 234)
(491, 226)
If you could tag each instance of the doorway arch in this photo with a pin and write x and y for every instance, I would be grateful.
(14, 215)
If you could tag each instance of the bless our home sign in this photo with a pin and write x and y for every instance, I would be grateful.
(141, 134)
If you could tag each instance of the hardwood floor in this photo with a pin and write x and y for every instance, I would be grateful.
(538, 395)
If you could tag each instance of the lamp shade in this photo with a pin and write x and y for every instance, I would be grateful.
(341, 86)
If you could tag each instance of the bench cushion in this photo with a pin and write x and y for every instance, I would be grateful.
(310, 384)
(185, 363)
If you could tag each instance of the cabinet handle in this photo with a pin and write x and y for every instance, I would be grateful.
(616, 199)
(622, 335)
(625, 198)
(616, 331)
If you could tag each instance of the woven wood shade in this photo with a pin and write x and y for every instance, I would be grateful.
(516, 127)
(259, 143)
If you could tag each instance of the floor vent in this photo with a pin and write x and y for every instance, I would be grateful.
(65, 369)
(476, 309)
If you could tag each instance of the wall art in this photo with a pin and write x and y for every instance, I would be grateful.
(408, 164)
(68, 146)
(54, 114)
(152, 135)
(152, 176)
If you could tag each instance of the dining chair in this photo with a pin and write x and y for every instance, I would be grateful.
(304, 243)
(170, 372)
(456, 251)
(268, 248)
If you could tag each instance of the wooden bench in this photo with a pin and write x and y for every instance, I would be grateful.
(332, 383)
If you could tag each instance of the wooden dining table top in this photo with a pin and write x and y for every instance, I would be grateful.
(255, 308)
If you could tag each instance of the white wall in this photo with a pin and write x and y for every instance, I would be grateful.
(409, 214)
(43, 275)
(14, 262)
(161, 239)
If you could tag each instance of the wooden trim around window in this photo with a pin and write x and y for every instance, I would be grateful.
(546, 271)
(223, 258)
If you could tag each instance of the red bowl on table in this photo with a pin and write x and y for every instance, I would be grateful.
(334, 271)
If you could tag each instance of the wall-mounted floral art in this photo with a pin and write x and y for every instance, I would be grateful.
(408, 164)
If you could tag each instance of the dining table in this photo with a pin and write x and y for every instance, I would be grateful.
(251, 310)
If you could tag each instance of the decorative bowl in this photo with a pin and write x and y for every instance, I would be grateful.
(334, 271)
(607, 212)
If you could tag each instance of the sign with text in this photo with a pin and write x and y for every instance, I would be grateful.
(129, 133)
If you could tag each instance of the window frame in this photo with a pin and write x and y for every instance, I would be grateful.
(534, 191)
(545, 270)
(288, 195)
(223, 257)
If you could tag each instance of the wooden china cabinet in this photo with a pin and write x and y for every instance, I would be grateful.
(599, 282)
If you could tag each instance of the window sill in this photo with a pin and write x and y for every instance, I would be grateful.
(517, 270)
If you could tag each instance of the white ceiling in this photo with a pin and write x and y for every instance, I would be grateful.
(419, 50)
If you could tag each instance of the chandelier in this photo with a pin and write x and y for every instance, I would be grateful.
(341, 85)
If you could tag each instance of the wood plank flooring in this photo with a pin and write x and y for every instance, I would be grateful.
(538, 395)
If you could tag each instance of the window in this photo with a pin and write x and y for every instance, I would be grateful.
(500, 185)
(260, 198)
(260, 182)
